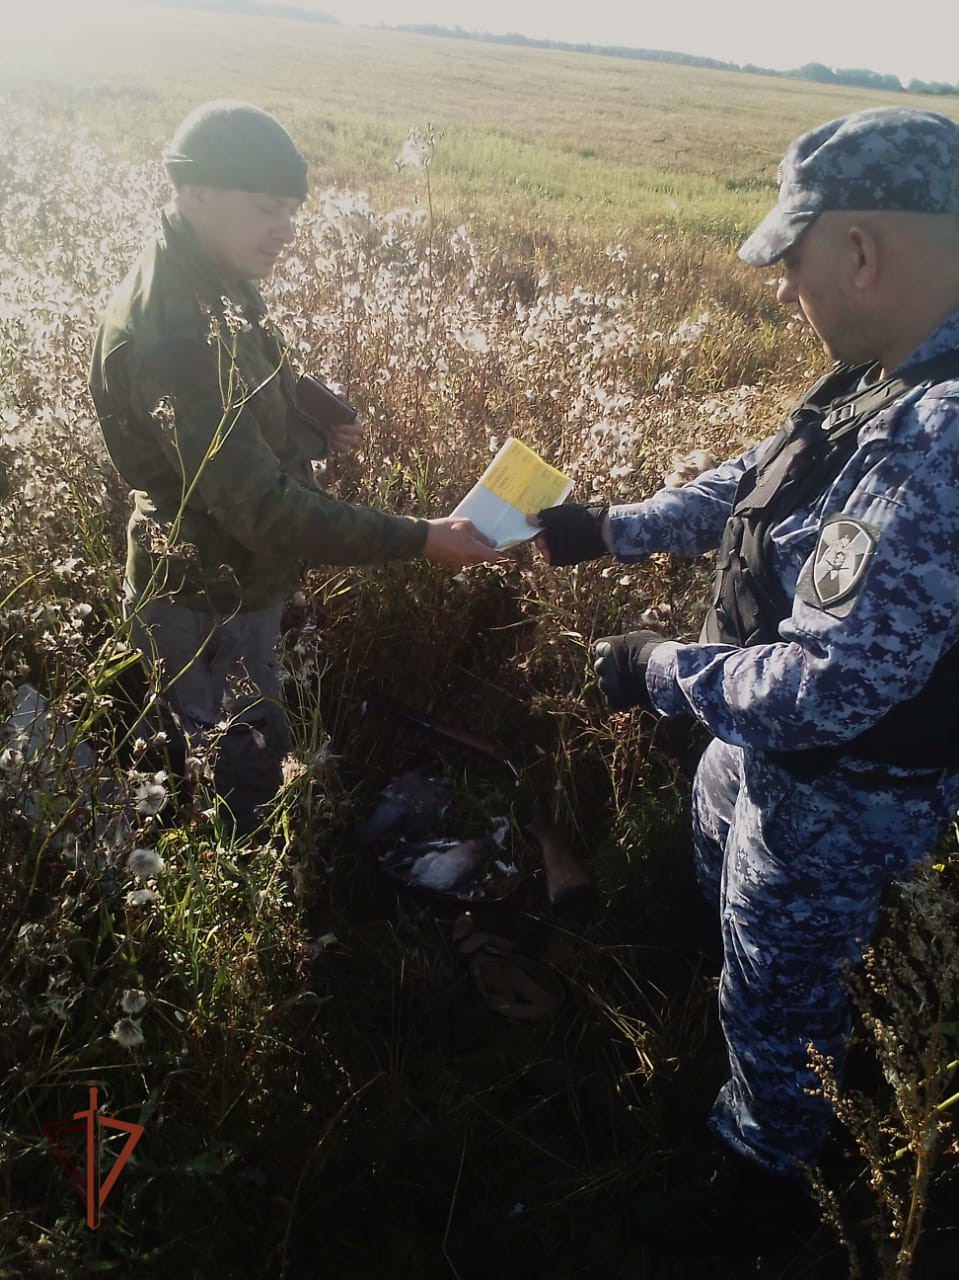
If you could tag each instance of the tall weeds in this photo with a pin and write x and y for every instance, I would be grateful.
(295, 1046)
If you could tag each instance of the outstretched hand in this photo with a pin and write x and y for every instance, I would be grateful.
(455, 542)
(570, 533)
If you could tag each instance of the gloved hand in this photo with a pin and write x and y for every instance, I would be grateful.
(572, 533)
(620, 664)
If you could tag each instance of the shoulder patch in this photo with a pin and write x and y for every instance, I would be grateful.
(832, 578)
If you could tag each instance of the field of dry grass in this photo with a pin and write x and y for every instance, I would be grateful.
(323, 1091)
(555, 141)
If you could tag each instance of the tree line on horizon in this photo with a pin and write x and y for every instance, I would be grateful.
(859, 77)
(818, 71)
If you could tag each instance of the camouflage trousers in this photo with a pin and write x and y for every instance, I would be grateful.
(796, 871)
(222, 692)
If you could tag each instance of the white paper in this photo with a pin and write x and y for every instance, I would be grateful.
(516, 483)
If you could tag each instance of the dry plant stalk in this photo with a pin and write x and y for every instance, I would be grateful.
(906, 995)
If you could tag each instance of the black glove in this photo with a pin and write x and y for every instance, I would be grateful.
(620, 664)
(573, 533)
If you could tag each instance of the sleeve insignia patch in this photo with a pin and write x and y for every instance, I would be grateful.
(839, 562)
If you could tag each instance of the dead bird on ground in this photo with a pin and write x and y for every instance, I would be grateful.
(449, 866)
(409, 808)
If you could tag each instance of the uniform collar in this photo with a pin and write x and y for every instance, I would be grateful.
(945, 338)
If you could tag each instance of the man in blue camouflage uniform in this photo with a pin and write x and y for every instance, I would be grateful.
(204, 419)
(828, 667)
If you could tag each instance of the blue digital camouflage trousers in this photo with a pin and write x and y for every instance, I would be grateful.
(796, 870)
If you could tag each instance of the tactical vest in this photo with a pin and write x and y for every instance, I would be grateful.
(748, 603)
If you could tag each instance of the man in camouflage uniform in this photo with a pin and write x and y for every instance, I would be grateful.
(828, 667)
(198, 405)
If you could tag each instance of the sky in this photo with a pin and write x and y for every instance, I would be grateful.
(918, 39)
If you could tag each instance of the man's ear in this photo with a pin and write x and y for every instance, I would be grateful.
(863, 251)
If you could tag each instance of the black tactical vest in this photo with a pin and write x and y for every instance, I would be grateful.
(748, 603)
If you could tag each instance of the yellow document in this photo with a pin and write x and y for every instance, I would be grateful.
(516, 483)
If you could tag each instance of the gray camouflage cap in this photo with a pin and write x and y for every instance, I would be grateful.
(891, 158)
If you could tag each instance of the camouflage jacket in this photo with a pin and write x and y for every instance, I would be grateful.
(196, 400)
(839, 666)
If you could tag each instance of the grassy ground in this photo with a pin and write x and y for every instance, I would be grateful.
(323, 1089)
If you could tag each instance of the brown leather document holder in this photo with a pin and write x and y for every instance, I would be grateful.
(319, 403)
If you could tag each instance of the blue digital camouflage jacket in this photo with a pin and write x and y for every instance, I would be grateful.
(839, 665)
